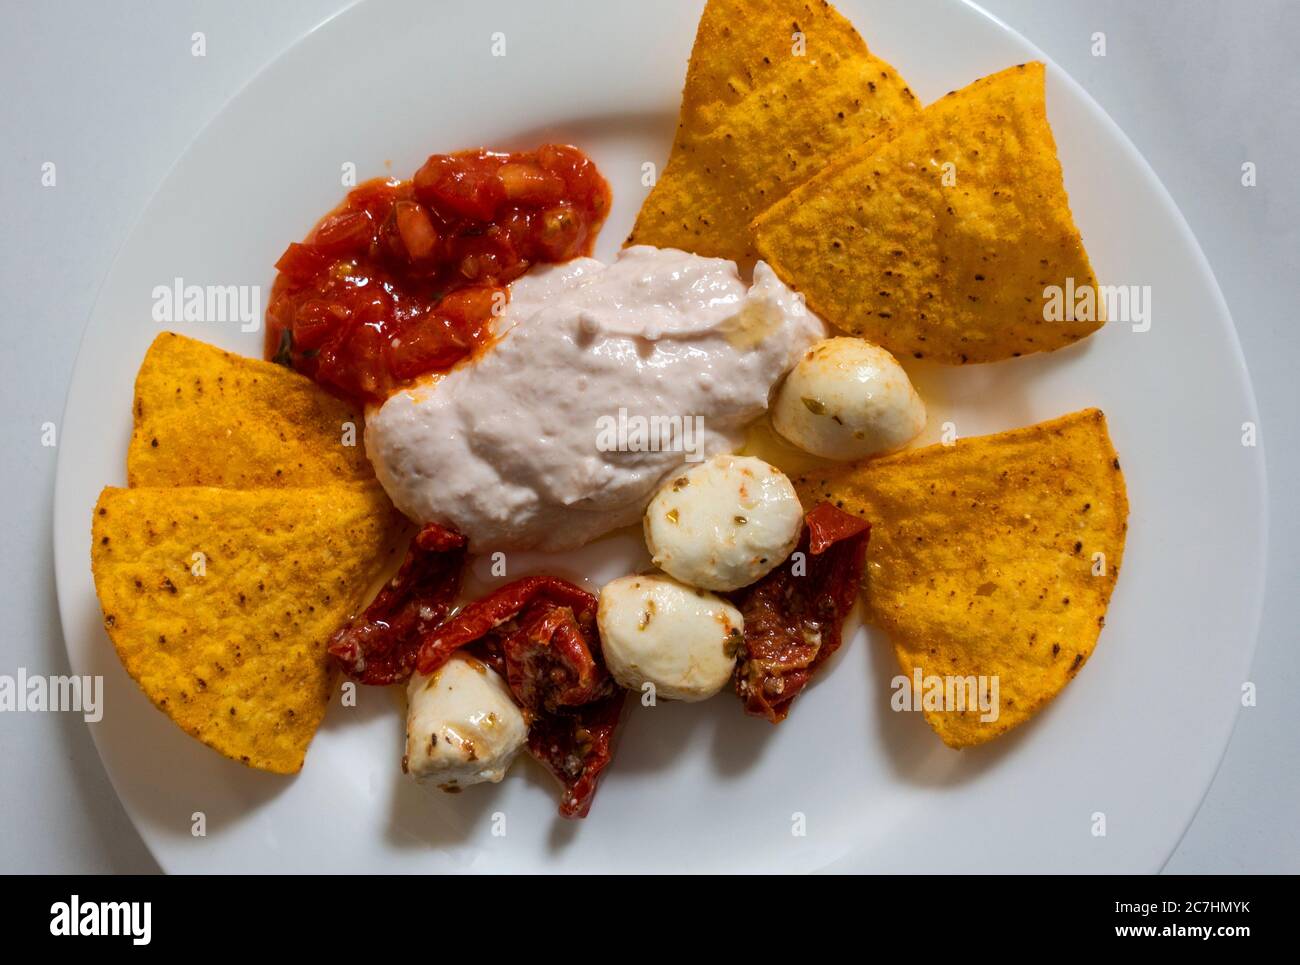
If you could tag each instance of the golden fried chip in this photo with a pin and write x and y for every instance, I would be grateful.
(948, 238)
(220, 603)
(204, 417)
(775, 89)
(993, 558)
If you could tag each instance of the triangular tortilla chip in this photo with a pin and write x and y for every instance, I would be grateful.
(943, 239)
(995, 556)
(204, 417)
(220, 603)
(775, 89)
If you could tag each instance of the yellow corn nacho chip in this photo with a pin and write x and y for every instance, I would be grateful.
(945, 238)
(220, 603)
(991, 559)
(774, 90)
(205, 417)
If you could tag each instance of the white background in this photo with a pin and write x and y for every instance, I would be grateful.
(109, 92)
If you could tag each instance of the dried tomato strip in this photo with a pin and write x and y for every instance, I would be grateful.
(439, 539)
(380, 646)
(549, 661)
(828, 525)
(541, 632)
(576, 747)
(793, 623)
(477, 619)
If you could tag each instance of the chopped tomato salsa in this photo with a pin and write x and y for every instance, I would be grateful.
(827, 525)
(404, 277)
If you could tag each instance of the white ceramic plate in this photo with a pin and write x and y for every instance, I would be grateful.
(1136, 737)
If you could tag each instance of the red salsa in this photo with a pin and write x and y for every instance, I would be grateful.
(403, 278)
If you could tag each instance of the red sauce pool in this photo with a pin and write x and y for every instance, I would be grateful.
(403, 278)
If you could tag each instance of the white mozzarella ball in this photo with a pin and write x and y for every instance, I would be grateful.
(848, 399)
(462, 727)
(656, 630)
(723, 524)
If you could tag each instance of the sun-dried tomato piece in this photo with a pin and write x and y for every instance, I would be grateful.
(576, 746)
(549, 661)
(828, 525)
(794, 616)
(380, 646)
(540, 633)
(477, 619)
(439, 539)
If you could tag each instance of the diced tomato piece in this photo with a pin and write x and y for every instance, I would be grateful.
(377, 195)
(463, 187)
(487, 259)
(583, 183)
(529, 184)
(355, 364)
(426, 345)
(415, 227)
(302, 262)
(561, 233)
(428, 176)
(473, 307)
(314, 323)
(345, 233)
(518, 227)
(561, 159)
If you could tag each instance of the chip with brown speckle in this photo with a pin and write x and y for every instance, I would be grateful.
(994, 557)
(220, 603)
(950, 238)
(775, 89)
(206, 417)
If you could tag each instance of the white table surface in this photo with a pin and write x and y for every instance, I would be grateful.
(110, 93)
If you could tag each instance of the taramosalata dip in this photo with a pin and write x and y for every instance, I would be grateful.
(535, 443)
